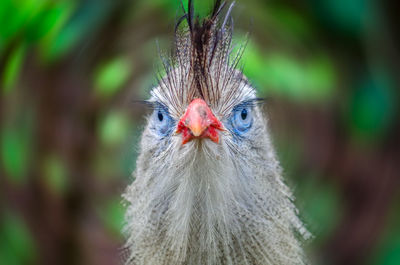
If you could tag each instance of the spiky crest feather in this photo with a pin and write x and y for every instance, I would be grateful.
(202, 64)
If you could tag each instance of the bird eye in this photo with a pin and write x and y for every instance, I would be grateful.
(243, 114)
(162, 121)
(160, 116)
(242, 119)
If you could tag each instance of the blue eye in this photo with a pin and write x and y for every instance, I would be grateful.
(162, 121)
(242, 119)
(243, 114)
(160, 116)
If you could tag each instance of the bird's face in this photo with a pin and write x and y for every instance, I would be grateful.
(237, 123)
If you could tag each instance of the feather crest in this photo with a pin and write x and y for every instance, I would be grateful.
(202, 64)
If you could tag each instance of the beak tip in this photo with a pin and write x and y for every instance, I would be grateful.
(196, 133)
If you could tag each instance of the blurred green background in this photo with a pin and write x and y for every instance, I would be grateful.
(70, 72)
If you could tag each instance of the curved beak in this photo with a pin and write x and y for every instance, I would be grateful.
(199, 122)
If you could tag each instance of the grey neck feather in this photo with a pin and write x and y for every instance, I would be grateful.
(195, 204)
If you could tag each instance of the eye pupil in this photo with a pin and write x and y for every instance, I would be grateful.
(243, 114)
(160, 116)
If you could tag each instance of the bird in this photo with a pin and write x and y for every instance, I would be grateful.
(208, 186)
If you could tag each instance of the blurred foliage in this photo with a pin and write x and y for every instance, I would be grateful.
(16, 245)
(302, 54)
(321, 207)
(111, 76)
(55, 174)
(280, 74)
(32, 21)
(112, 215)
(349, 17)
(373, 106)
(16, 148)
(114, 128)
(13, 68)
(389, 246)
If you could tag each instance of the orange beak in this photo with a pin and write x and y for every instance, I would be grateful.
(199, 122)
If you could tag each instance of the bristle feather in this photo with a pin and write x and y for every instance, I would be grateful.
(201, 65)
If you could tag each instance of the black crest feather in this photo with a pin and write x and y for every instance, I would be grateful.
(202, 64)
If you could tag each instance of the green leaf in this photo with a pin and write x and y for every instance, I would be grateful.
(283, 75)
(277, 73)
(372, 106)
(290, 22)
(321, 206)
(13, 68)
(16, 244)
(320, 79)
(112, 215)
(387, 250)
(85, 20)
(390, 255)
(55, 174)
(47, 24)
(111, 76)
(350, 17)
(16, 16)
(114, 128)
(15, 154)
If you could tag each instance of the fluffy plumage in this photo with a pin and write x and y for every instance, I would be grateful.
(205, 202)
